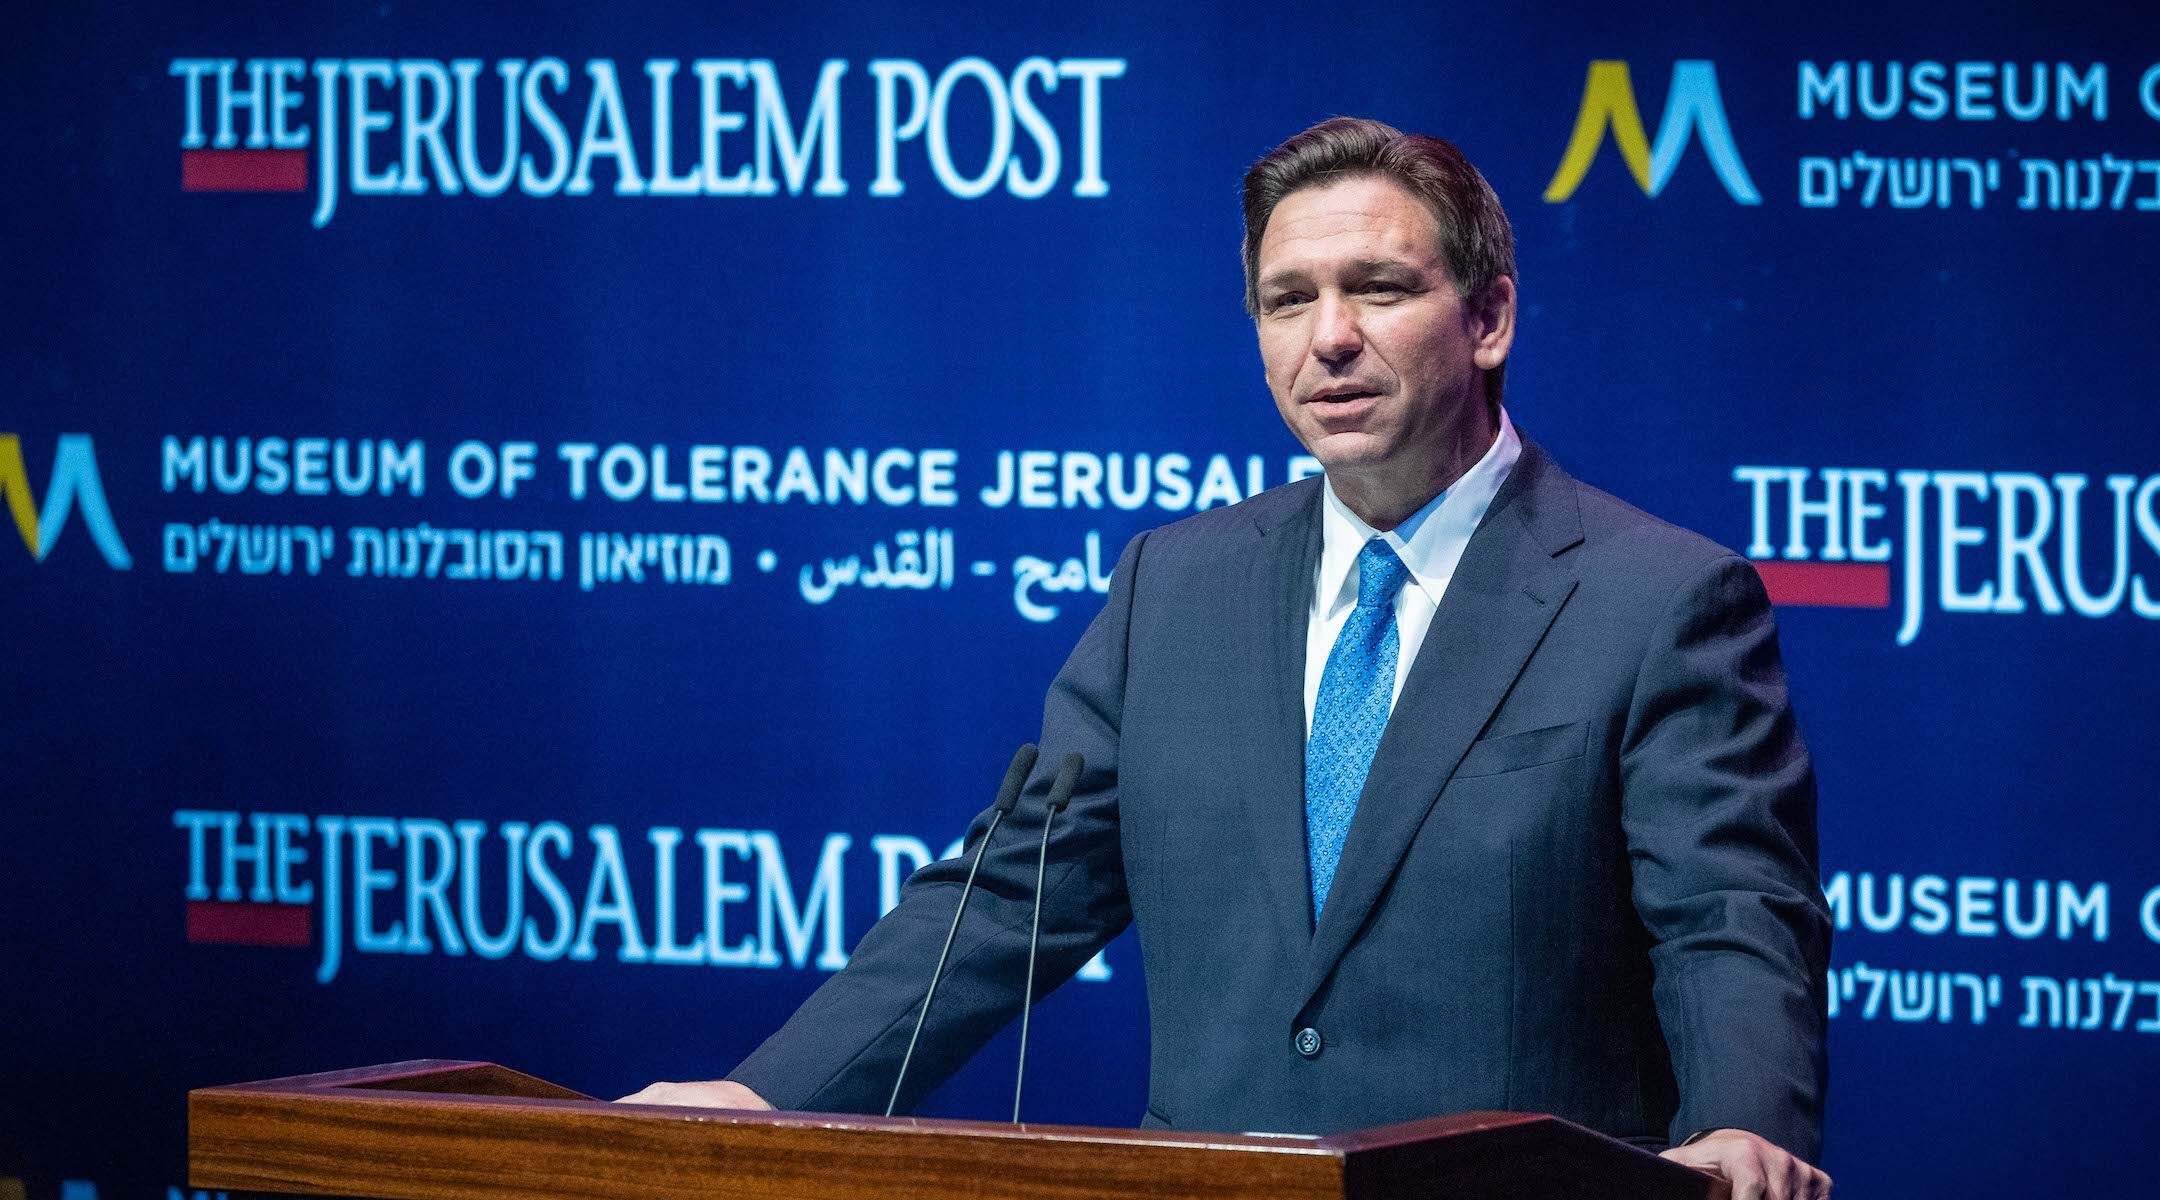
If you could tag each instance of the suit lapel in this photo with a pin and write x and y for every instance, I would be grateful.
(1280, 592)
(1508, 588)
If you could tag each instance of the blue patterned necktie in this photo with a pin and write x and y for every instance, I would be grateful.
(1356, 690)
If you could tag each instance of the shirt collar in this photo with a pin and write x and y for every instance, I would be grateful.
(1430, 542)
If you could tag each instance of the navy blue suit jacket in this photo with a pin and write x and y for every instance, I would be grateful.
(1581, 878)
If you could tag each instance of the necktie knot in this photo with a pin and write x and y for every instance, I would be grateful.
(1381, 574)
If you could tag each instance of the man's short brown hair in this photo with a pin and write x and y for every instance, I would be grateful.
(1476, 241)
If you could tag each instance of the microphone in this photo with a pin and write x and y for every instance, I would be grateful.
(1008, 795)
(1061, 790)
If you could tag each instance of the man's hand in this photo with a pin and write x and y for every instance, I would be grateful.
(1756, 1169)
(711, 1093)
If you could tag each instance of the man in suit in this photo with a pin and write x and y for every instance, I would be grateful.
(1442, 782)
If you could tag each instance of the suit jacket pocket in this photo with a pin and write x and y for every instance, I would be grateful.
(1532, 748)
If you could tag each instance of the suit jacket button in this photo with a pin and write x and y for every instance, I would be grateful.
(1307, 1042)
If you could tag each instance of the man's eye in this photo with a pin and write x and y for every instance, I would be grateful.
(1287, 300)
(1383, 287)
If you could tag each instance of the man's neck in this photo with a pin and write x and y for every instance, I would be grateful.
(1384, 499)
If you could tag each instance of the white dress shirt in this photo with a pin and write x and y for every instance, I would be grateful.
(1430, 543)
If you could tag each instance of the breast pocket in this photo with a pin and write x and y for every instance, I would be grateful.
(1518, 751)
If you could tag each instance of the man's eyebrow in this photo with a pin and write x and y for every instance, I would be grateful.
(1356, 266)
(1372, 266)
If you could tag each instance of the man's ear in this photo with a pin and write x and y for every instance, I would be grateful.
(1492, 323)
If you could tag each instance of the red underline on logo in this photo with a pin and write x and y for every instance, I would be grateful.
(1827, 585)
(243, 170)
(250, 924)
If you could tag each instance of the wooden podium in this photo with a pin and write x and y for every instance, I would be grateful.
(436, 1129)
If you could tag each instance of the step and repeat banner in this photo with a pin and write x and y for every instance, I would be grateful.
(524, 526)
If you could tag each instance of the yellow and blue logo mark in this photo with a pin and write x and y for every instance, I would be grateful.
(1694, 110)
(74, 487)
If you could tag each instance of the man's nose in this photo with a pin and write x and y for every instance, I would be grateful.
(1335, 332)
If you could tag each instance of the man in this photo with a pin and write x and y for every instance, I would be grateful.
(1448, 783)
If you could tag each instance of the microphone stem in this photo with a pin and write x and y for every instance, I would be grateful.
(939, 973)
(1027, 1002)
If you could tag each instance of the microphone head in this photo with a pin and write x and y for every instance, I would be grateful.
(1068, 777)
(1023, 762)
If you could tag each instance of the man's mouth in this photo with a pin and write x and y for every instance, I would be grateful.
(1340, 396)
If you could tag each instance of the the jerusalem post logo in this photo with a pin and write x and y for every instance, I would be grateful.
(1693, 109)
(74, 487)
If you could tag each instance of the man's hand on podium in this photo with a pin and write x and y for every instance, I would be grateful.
(1756, 1169)
(710, 1093)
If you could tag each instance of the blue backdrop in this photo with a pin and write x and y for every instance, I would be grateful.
(493, 585)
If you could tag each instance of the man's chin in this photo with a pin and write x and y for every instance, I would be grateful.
(1347, 452)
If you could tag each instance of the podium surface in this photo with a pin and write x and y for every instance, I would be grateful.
(437, 1129)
